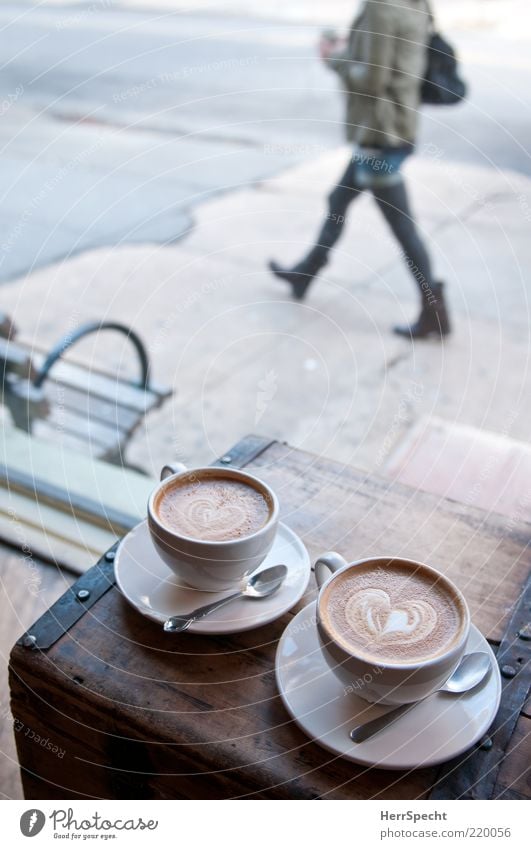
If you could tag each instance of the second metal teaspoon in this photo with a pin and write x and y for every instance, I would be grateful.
(259, 585)
(470, 672)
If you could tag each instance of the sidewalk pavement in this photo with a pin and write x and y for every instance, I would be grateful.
(509, 14)
(326, 375)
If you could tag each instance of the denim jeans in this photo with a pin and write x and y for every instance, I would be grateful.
(378, 166)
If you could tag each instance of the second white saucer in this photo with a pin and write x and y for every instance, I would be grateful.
(439, 728)
(151, 588)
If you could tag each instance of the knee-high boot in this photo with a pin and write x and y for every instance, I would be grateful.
(433, 318)
(304, 272)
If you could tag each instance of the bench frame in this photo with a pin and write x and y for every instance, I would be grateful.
(27, 393)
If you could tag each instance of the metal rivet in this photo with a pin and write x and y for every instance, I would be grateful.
(226, 459)
(486, 744)
(525, 632)
(109, 557)
(508, 671)
(29, 641)
(82, 595)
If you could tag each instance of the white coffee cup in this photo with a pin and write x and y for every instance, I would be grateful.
(385, 681)
(211, 565)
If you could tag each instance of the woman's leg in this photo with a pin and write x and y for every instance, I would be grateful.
(339, 199)
(392, 199)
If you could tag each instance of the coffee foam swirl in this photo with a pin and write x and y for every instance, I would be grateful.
(213, 509)
(371, 614)
(392, 612)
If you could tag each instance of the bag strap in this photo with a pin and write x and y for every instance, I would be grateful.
(431, 16)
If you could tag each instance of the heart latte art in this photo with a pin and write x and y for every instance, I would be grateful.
(370, 611)
(389, 611)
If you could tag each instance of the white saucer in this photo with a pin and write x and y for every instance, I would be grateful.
(150, 587)
(438, 729)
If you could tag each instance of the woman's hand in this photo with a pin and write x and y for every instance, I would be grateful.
(330, 45)
(327, 46)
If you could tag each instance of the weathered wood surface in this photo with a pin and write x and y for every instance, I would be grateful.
(27, 588)
(336, 507)
(142, 714)
(478, 777)
(514, 777)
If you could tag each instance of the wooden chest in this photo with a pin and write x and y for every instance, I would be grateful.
(128, 712)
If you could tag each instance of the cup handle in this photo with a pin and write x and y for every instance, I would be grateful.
(327, 564)
(172, 469)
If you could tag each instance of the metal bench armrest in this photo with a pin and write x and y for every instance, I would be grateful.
(84, 330)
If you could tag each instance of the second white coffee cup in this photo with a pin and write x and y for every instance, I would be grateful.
(388, 681)
(208, 564)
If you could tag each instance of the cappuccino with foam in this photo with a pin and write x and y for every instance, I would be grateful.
(212, 507)
(391, 612)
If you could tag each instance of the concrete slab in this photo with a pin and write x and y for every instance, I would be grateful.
(469, 465)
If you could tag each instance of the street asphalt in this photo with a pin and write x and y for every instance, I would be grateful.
(117, 122)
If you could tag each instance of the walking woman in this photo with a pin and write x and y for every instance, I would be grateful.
(381, 67)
